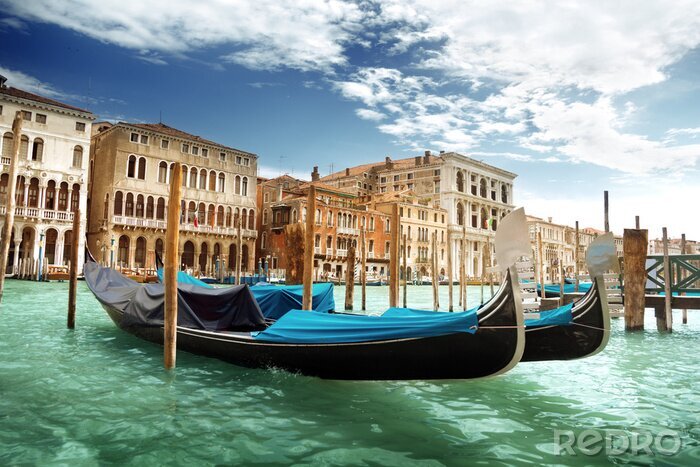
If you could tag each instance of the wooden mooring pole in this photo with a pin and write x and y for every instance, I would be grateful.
(394, 257)
(73, 273)
(576, 259)
(540, 260)
(10, 202)
(634, 247)
(664, 320)
(436, 273)
(363, 267)
(463, 270)
(349, 278)
(606, 207)
(681, 275)
(450, 276)
(308, 275)
(239, 249)
(405, 271)
(561, 280)
(170, 267)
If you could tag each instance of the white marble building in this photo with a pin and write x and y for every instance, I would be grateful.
(51, 177)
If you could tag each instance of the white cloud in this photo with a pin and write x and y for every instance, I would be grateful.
(369, 114)
(20, 80)
(261, 34)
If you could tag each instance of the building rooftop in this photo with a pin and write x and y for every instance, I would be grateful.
(398, 164)
(20, 94)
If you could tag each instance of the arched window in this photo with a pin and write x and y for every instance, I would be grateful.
(142, 168)
(24, 147)
(67, 243)
(191, 213)
(222, 182)
(244, 187)
(162, 172)
(263, 241)
(220, 216)
(460, 214)
(139, 206)
(188, 254)
(212, 180)
(159, 247)
(202, 179)
(160, 209)
(131, 167)
(482, 188)
(7, 144)
(63, 197)
(38, 149)
(295, 216)
(118, 201)
(236, 217)
(193, 178)
(210, 215)
(140, 253)
(201, 213)
(149, 207)
(484, 219)
(228, 216)
(244, 219)
(460, 181)
(504, 193)
(123, 250)
(264, 217)
(51, 238)
(129, 207)
(251, 219)
(237, 185)
(75, 198)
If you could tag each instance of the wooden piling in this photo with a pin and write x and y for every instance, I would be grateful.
(576, 259)
(540, 260)
(463, 271)
(561, 281)
(170, 267)
(363, 266)
(681, 275)
(308, 273)
(436, 275)
(664, 321)
(349, 278)
(405, 272)
(73, 271)
(394, 257)
(606, 208)
(239, 249)
(450, 276)
(10, 201)
(634, 247)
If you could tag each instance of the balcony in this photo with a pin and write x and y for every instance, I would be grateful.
(38, 213)
(348, 231)
(341, 253)
(139, 222)
(317, 250)
(370, 254)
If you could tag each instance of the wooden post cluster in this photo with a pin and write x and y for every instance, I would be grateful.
(308, 276)
(349, 278)
(170, 267)
(436, 275)
(10, 202)
(73, 272)
(664, 320)
(634, 247)
(363, 267)
(450, 276)
(405, 271)
(394, 257)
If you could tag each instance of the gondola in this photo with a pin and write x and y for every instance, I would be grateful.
(554, 290)
(576, 330)
(228, 324)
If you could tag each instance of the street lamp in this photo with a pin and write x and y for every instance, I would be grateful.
(111, 253)
(41, 254)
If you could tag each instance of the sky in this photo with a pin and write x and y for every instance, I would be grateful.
(576, 97)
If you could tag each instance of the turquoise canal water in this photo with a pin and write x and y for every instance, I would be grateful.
(97, 396)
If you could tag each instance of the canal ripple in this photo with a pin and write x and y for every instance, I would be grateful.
(99, 396)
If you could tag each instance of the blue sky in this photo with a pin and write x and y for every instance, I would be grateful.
(575, 97)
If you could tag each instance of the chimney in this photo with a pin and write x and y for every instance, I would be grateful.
(387, 160)
(2, 81)
(314, 175)
(418, 158)
(279, 192)
(347, 171)
(426, 157)
(549, 219)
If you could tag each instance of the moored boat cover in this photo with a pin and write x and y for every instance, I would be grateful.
(275, 301)
(395, 312)
(557, 317)
(304, 327)
(184, 278)
(229, 308)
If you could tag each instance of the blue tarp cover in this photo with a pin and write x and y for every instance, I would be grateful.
(275, 301)
(559, 317)
(184, 278)
(395, 312)
(303, 327)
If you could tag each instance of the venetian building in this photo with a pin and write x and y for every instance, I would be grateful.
(52, 177)
(131, 167)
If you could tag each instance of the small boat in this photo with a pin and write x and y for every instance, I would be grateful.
(575, 330)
